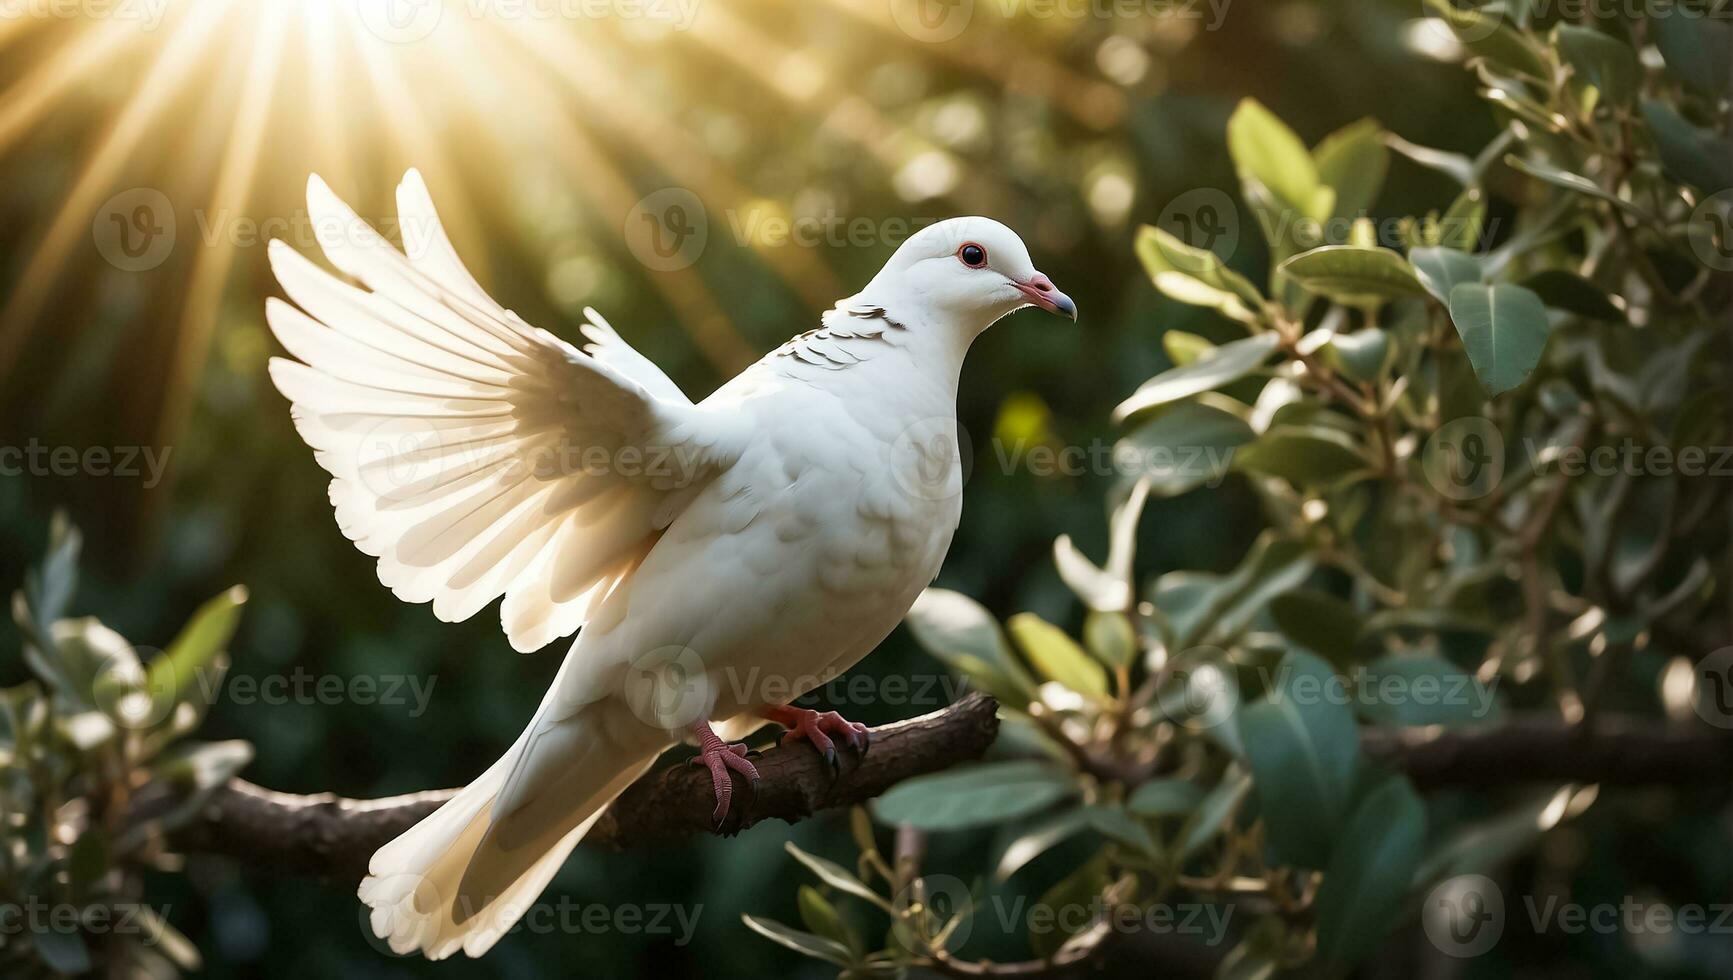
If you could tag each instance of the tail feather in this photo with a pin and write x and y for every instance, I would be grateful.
(447, 884)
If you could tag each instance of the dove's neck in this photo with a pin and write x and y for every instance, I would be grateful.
(936, 337)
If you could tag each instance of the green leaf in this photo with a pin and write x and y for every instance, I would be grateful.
(1165, 798)
(1013, 690)
(1304, 749)
(1353, 162)
(1272, 565)
(1603, 61)
(1460, 226)
(1562, 290)
(1095, 586)
(199, 650)
(1309, 455)
(1288, 232)
(1694, 155)
(1355, 276)
(1453, 165)
(1057, 656)
(804, 943)
(1265, 149)
(47, 593)
(1487, 35)
(49, 587)
(1318, 621)
(1182, 447)
(1194, 275)
(1427, 690)
(1183, 348)
(1194, 292)
(1117, 824)
(1572, 182)
(1203, 699)
(1362, 354)
(1443, 269)
(1697, 47)
(1368, 876)
(1504, 330)
(1111, 638)
(822, 918)
(1040, 838)
(949, 624)
(1210, 818)
(1227, 363)
(975, 795)
(94, 660)
(834, 875)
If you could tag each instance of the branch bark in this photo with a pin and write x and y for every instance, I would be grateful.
(330, 836)
(1621, 750)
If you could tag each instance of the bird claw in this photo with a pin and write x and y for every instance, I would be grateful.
(817, 727)
(721, 758)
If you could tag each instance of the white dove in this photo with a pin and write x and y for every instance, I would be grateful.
(722, 558)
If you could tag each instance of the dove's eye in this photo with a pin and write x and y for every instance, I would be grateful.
(972, 255)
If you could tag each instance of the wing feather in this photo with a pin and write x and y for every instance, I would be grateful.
(473, 455)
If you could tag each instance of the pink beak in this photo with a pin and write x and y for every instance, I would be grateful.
(1044, 294)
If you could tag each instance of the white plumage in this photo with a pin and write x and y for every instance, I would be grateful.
(721, 558)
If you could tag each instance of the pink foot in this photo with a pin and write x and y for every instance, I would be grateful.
(818, 727)
(719, 757)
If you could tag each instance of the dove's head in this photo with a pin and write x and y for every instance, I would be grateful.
(970, 271)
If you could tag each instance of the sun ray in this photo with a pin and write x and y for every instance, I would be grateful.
(216, 258)
(673, 150)
(172, 66)
(791, 75)
(408, 128)
(612, 194)
(1014, 66)
(330, 132)
(24, 102)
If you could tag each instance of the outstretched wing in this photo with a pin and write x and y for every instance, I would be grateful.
(474, 455)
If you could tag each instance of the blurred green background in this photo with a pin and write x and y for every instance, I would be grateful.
(1072, 123)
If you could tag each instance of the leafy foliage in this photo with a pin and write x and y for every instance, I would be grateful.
(94, 771)
(1405, 405)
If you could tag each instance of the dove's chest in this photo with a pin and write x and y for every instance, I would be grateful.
(836, 517)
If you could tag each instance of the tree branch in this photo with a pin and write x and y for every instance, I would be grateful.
(330, 836)
(1625, 749)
